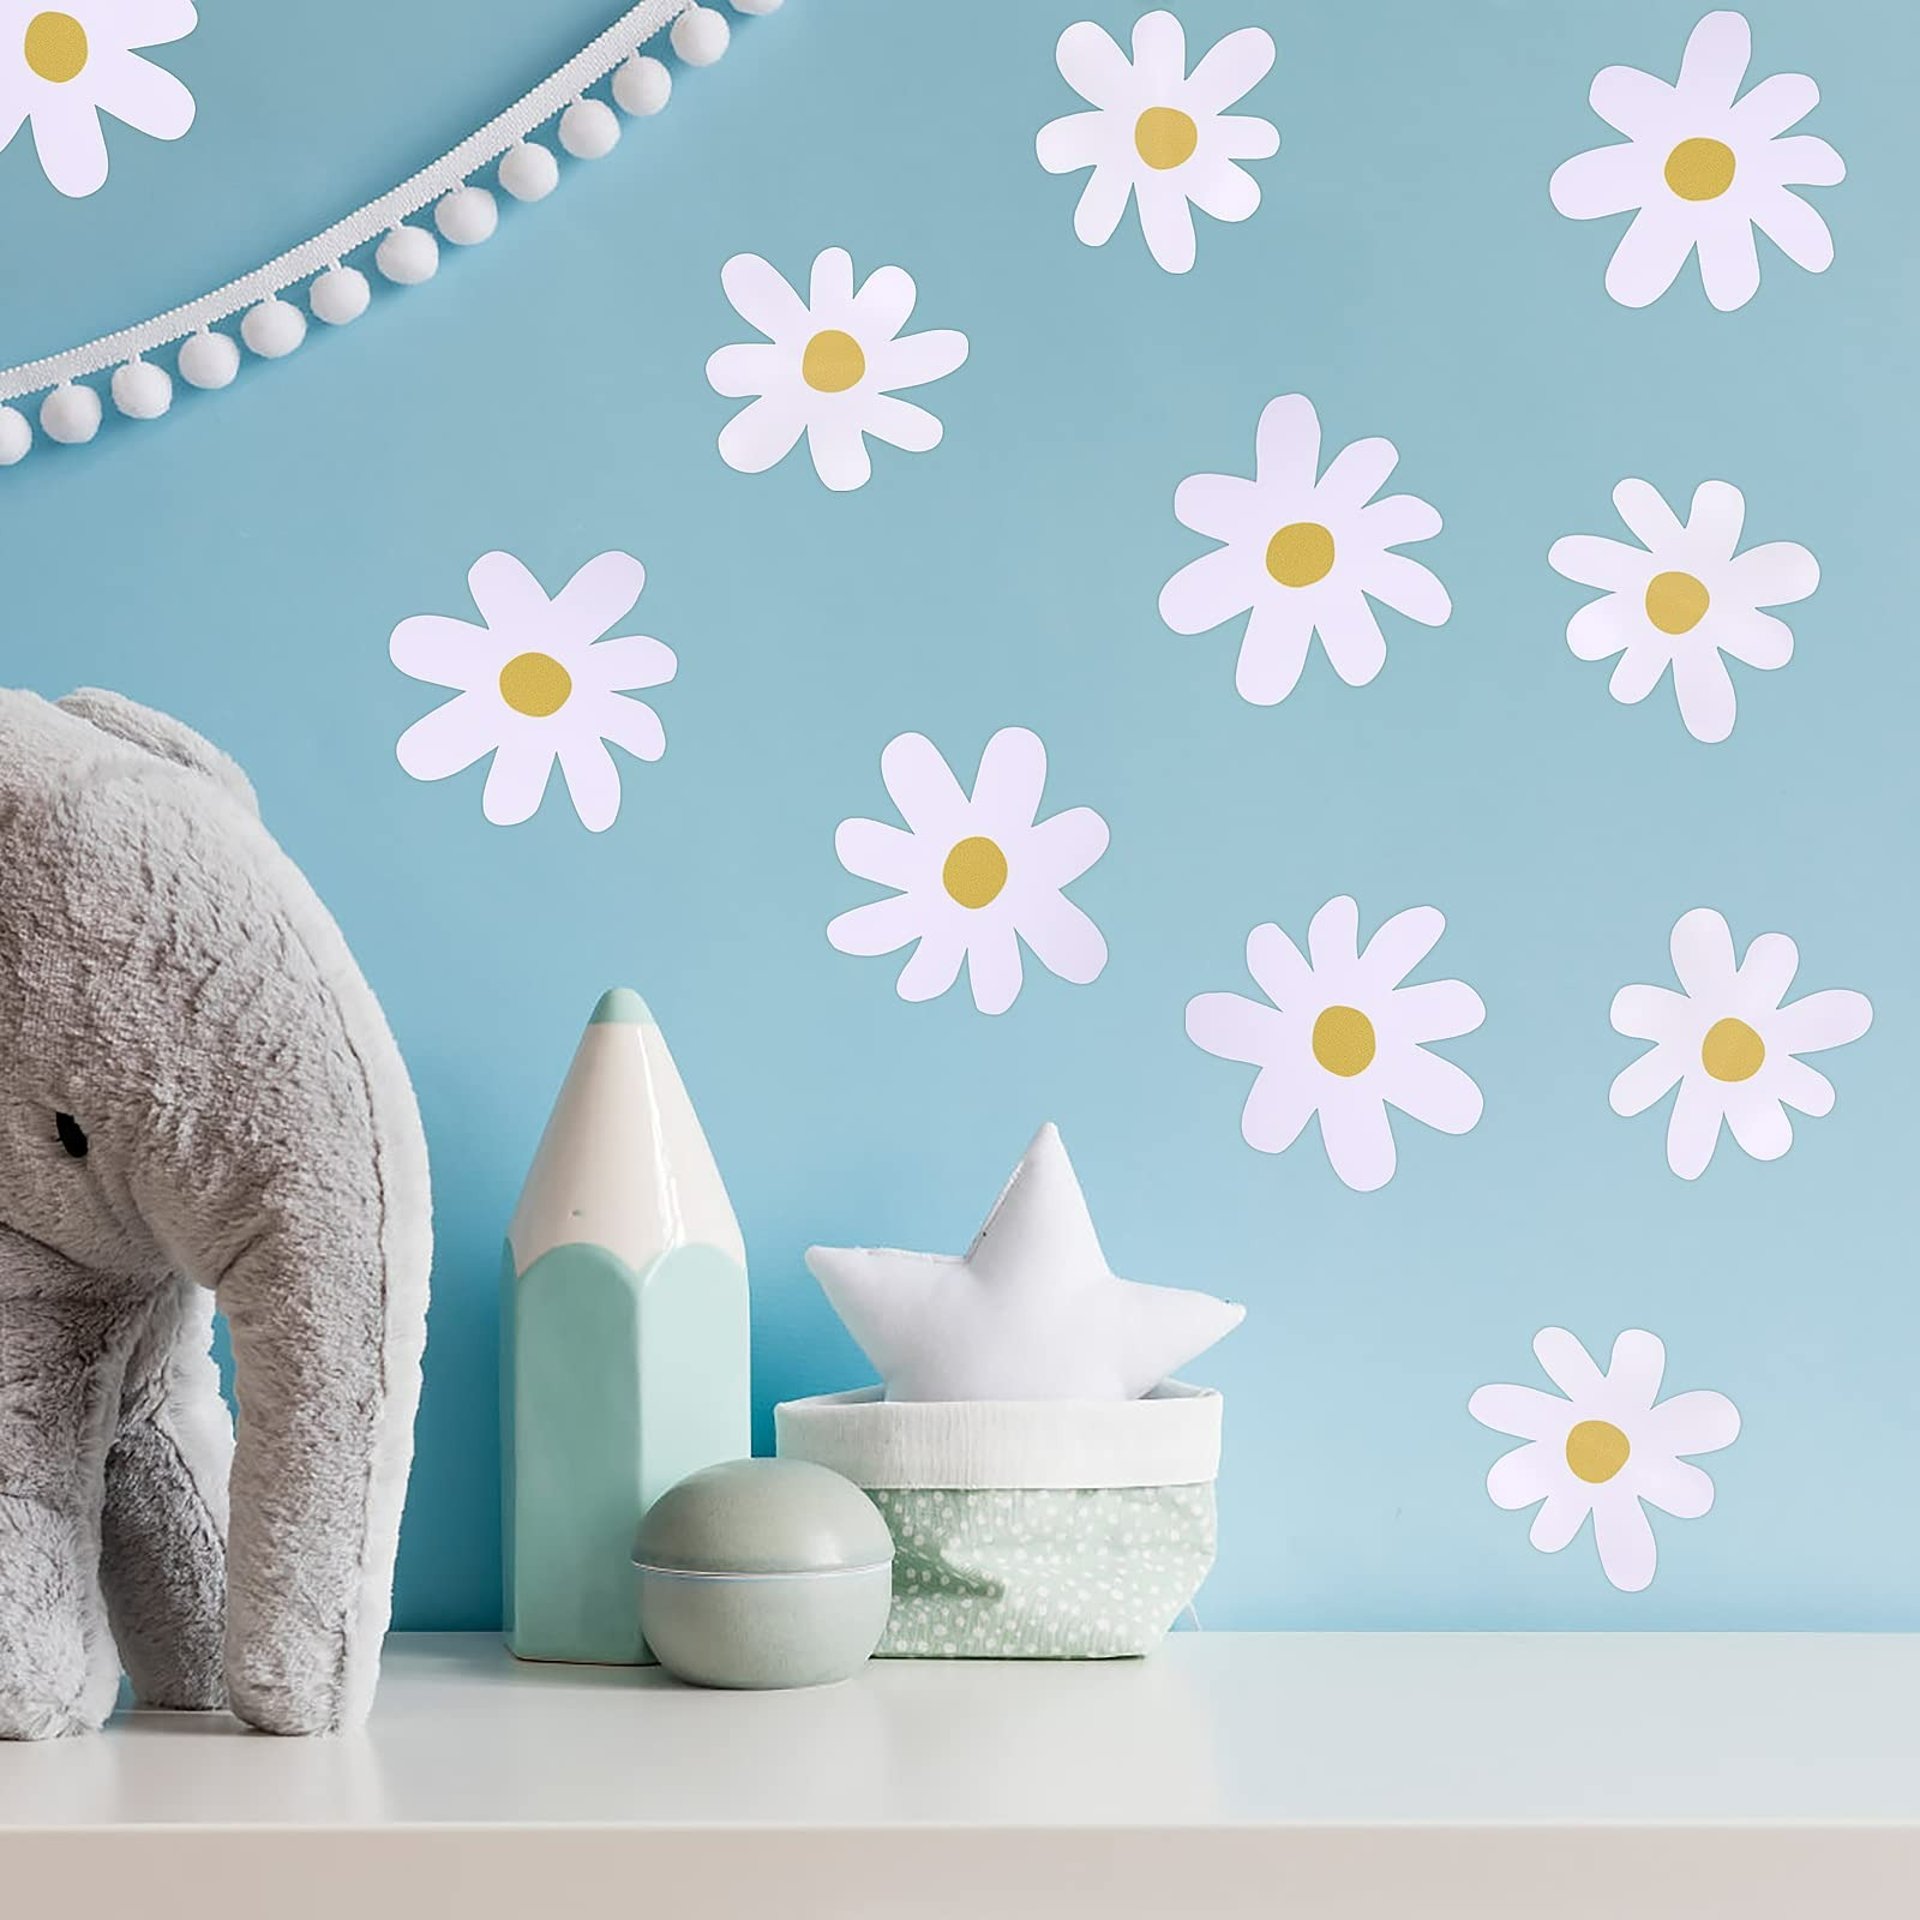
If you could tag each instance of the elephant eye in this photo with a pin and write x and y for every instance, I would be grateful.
(71, 1136)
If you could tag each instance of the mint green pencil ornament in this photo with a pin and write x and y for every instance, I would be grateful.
(624, 1338)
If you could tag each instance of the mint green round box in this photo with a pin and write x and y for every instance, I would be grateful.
(1029, 1529)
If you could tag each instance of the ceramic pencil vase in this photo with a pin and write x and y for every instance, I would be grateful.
(624, 1343)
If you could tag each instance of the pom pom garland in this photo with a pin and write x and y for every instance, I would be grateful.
(588, 130)
(339, 296)
(70, 415)
(408, 256)
(274, 328)
(643, 85)
(700, 36)
(141, 390)
(467, 216)
(209, 360)
(464, 212)
(529, 171)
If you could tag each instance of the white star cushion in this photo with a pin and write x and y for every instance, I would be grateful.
(1033, 1312)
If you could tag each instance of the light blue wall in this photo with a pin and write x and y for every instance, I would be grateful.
(243, 562)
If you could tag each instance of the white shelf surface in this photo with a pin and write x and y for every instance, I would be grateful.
(1333, 1776)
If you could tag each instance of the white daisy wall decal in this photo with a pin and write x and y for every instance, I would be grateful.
(976, 873)
(63, 68)
(1729, 1040)
(1701, 169)
(1157, 134)
(1340, 1035)
(537, 684)
(830, 367)
(1683, 598)
(1610, 1448)
(1303, 552)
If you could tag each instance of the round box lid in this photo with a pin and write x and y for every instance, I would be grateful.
(763, 1516)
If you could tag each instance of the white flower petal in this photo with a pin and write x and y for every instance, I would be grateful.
(1524, 1412)
(1223, 507)
(901, 424)
(599, 594)
(1702, 949)
(1624, 1537)
(148, 98)
(1634, 103)
(872, 850)
(1645, 1081)
(1357, 472)
(1597, 562)
(1092, 64)
(1277, 1109)
(747, 367)
(1060, 849)
(517, 780)
(1605, 627)
(1280, 969)
(631, 725)
(1166, 221)
(1064, 940)
(1766, 972)
(1273, 651)
(1409, 588)
(1434, 1010)
(1643, 666)
(1231, 1027)
(1222, 190)
(918, 358)
(1757, 639)
(1433, 1091)
(881, 926)
(1286, 445)
(1693, 1129)
(1758, 1123)
(445, 652)
(829, 285)
(629, 662)
(1333, 940)
(1568, 1365)
(1351, 635)
(839, 453)
(762, 298)
(1558, 1523)
(1647, 516)
(1398, 520)
(593, 781)
(921, 784)
(1011, 779)
(1650, 255)
(1358, 1138)
(1674, 1486)
(885, 302)
(449, 739)
(1778, 102)
(763, 434)
(1636, 1366)
(1207, 591)
(1159, 46)
(1651, 1013)
(1600, 182)
(1401, 943)
(1715, 62)
(1832, 1018)
(1245, 136)
(1102, 205)
(1775, 574)
(933, 966)
(1230, 68)
(1694, 1422)
(1073, 141)
(1705, 691)
(1805, 161)
(1729, 263)
(1715, 518)
(993, 967)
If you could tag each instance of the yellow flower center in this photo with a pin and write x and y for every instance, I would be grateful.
(1732, 1050)
(1596, 1451)
(1343, 1041)
(1165, 138)
(56, 46)
(1676, 602)
(1300, 554)
(833, 362)
(535, 684)
(975, 872)
(1700, 169)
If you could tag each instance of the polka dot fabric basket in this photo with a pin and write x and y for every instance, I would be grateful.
(1032, 1529)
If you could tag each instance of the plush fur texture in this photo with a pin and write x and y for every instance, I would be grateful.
(170, 982)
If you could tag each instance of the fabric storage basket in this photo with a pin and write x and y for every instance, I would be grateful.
(1030, 1529)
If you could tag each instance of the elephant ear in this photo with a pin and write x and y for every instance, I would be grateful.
(159, 734)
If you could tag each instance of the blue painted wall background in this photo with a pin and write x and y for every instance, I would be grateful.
(243, 562)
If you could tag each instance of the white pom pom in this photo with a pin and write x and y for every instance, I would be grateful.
(756, 6)
(209, 360)
(529, 171)
(588, 129)
(141, 390)
(642, 84)
(700, 36)
(16, 436)
(339, 296)
(408, 255)
(70, 415)
(274, 328)
(467, 215)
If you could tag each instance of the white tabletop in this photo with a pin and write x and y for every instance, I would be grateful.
(1555, 1776)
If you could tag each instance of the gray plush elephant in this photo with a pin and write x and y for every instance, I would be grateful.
(199, 1100)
